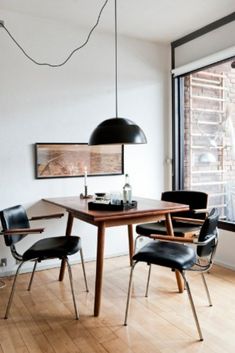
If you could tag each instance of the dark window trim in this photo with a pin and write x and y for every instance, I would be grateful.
(204, 30)
(177, 116)
(226, 225)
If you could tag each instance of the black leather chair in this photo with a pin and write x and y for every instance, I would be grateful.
(168, 251)
(185, 224)
(16, 226)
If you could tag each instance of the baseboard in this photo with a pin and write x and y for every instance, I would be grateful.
(224, 264)
(74, 262)
(42, 267)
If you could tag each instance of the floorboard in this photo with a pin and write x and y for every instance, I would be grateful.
(42, 321)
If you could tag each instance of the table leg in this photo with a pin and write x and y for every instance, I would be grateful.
(170, 231)
(99, 268)
(67, 233)
(131, 242)
(169, 226)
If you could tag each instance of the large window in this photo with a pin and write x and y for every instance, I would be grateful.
(203, 115)
(208, 104)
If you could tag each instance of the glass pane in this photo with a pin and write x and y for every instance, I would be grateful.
(209, 132)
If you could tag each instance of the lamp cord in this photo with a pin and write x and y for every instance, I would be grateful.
(70, 55)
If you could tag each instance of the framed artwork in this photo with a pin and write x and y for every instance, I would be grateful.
(64, 160)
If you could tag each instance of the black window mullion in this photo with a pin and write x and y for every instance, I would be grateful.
(178, 134)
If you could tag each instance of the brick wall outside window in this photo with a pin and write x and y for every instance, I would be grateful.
(209, 136)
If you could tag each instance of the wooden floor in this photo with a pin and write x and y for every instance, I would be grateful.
(42, 321)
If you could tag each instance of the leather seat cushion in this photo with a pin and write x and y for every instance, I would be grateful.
(54, 247)
(167, 254)
(180, 228)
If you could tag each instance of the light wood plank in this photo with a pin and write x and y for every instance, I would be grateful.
(43, 320)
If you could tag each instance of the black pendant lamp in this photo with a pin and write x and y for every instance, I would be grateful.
(117, 130)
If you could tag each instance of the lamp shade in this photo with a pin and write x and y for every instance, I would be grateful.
(117, 131)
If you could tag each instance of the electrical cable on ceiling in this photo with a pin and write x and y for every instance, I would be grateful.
(70, 55)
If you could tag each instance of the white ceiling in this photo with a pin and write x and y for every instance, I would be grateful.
(155, 20)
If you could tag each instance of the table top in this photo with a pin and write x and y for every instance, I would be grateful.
(145, 207)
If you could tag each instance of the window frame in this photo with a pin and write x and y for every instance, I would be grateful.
(177, 90)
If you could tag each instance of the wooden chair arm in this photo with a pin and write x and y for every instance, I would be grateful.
(183, 240)
(22, 231)
(55, 215)
(189, 220)
(200, 210)
(171, 238)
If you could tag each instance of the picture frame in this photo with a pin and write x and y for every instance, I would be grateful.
(69, 160)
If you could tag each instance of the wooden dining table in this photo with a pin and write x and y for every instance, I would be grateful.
(147, 210)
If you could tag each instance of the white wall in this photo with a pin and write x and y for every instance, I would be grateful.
(41, 104)
(225, 252)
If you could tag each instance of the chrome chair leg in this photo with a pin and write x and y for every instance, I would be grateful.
(206, 288)
(135, 245)
(192, 306)
(129, 293)
(72, 289)
(83, 269)
(148, 280)
(12, 291)
(32, 275)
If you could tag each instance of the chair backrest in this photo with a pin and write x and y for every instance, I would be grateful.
(195, 200)
(208, 229)
(14, 217)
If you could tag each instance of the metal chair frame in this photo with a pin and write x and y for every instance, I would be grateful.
(197, 267)
(19, 258)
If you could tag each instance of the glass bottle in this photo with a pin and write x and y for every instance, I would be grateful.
(127, 191)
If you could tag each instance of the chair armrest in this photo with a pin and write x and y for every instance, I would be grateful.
(200, 210)
(171, 238)
(205, 242)
(50, 216)
(182, 240)
(22, 231)
(189, 220)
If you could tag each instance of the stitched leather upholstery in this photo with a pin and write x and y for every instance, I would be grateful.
(54, 247)
(173, 255)
(179, 256)
(182, 258)
(180, 228)
(14, 217)
(195, 200)
(207, 230)
(46, 248)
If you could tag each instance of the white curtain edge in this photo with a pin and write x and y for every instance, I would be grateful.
(206, 61)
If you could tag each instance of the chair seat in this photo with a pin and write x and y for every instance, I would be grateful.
(53, 247)
(167, 254)
(180, 228)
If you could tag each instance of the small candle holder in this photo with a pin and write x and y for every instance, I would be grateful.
(85, 195)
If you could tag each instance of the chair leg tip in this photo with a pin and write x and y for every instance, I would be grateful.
(201, 339)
